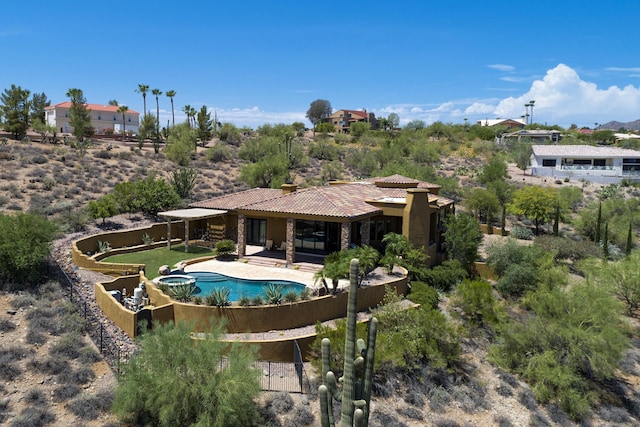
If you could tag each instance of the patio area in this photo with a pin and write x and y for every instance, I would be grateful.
(266, 265)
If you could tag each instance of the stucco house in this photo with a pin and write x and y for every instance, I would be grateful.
(342, 119)
(509, 123)
(533, 136)
(320, 220)
(104, 118)
(598, 164)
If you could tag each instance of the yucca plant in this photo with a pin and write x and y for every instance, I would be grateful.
(257, 300)
(244, 301)
(274, 293)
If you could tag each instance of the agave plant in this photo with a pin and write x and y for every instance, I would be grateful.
(257, 300)
(221, 296)
(274, 293)
(183, 293)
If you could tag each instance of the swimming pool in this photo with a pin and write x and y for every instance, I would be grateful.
(207, 281)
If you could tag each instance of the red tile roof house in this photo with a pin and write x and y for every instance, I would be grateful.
(324, 219)
(342, 119)
(104, 118)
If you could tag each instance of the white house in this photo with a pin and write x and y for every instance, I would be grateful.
(598, 164)
(104, 118)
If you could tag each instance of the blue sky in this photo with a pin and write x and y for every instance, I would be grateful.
(256, 62)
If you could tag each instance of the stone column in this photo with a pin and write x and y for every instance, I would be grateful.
(290, 248)
(366, 229)
(345, 235)
(242, 238)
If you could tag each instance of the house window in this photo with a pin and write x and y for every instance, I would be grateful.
(99, 117)
(549, 163)
(317, 237)
(599, 162)
(256, 231)
(581, 161)
(114, 118)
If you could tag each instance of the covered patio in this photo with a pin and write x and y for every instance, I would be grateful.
(187, 215)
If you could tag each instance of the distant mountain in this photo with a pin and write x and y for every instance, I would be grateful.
(614, 125)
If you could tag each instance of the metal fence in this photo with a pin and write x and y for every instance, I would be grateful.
(277, 376)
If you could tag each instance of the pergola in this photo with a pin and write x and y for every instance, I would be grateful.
(186, 215)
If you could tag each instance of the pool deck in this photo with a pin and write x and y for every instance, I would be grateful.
(259, 267)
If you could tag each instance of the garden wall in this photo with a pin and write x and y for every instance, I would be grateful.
(83, 251)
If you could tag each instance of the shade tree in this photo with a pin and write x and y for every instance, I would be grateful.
(535, 203)
(318, 110)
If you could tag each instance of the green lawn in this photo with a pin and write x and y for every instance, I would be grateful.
(154, 258)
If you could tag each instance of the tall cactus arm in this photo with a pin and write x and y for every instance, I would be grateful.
(348, 387)
(368, 369)
(325, 413)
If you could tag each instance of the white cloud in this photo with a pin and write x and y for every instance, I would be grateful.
(502, 67)
(562, 97)
(623, 69)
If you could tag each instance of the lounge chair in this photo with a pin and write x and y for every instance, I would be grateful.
(283, 246)
(268, 245)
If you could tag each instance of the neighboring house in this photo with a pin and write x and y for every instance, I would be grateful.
(598, 164)
(325, 219)
(342, 119)
(533, 136)
(508, 123)
(104, 118)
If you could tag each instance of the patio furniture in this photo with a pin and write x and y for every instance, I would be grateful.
(268, 245)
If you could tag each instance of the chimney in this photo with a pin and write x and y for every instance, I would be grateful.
(288, 188)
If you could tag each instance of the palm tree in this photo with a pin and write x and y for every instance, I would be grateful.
(157, 93)
(531, 105)
(171, 94)
(143, 89)
(526, 110)
(187, 110)
(192, 114)
(123, 109)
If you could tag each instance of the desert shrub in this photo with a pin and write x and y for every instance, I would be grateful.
(443, 277)
(102, 154)
(198, 300)
(517, 279)
(78, 376)
(161, 365)
(220, 153)
(225, 247)
(51, 365)
(503, 421)
(302, 416)
(478, 303)
(291, 296)
(4, 406)
(7, 325)
(423, 294)
(33, 417)
(35, 397)
(24, 244)
(68, 346)
(411, 413)
(522, 233)
(244, 301)
(65, 392)
(281, 402)
(572, 338)
(567, 249)
(409, 337)
(89, 407)
(257, 300)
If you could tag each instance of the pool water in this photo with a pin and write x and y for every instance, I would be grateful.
(207, 281)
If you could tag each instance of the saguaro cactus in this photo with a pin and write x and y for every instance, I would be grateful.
(355, 393)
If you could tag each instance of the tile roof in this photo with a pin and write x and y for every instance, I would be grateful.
(237, 200)
(582, 151)
(348, 200)
(93, 107)
(343, 201)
